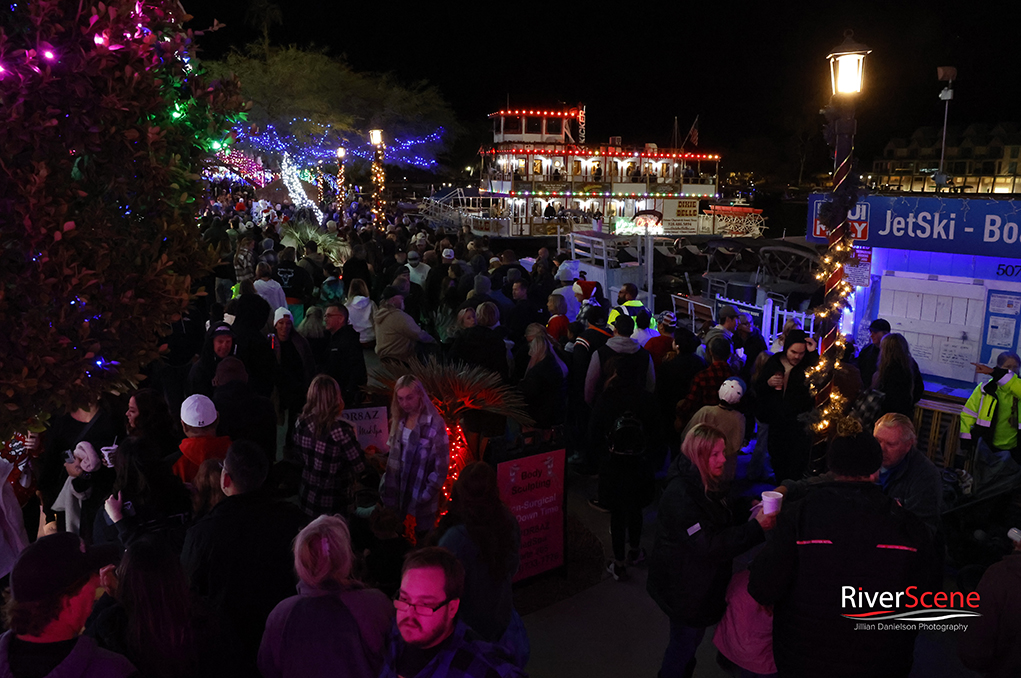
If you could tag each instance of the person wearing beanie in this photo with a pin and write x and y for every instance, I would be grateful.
(868, 358)
(844, 534)
(782, 395)
(480, 293)
(725, 417)
(663, 340)
(218, 345)
(242, 414)
(198, 419)
(296, 367)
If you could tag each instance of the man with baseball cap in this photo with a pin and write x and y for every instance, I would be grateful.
(419, 270)
(868, 359)
(726, 325)
(198, 419)
(53, 587)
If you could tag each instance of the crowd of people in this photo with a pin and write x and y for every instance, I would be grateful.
(234, 524)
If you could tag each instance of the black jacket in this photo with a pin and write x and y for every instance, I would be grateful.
(902, 390)
(697, 540)
(243, 415)
(544, 388)
(200, 377)
(346, 364)
(482, 346)
(840, 535)
(789, 442)
(868, 363)
(589, 341)
(238, 556)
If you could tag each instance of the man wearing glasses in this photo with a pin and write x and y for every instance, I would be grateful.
(429, 639)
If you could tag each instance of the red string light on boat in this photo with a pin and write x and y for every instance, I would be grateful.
(544, 114)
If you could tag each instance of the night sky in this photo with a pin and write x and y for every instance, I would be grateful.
(746, 69)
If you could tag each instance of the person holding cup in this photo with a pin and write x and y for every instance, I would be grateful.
(783, 395)
(698, 538)
(844, 535)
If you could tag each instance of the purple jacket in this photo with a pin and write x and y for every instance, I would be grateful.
(86, 660)
(328, 633)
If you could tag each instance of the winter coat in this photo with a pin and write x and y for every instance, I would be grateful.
(415, 472)
(990, 416)
(272, 292)
(697, 541)
(841, 534)
(361, 312)
(990, 644)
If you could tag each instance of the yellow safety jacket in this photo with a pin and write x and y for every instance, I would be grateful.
(998, 415)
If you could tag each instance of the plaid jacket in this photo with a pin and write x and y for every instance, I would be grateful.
(414, 476)
(244, 265)
(705, 390)
(467, 656)
(330, 467)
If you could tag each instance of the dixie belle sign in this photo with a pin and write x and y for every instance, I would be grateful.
(977, 226)
(533, 488)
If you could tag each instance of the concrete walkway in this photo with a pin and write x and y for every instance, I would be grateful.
(614, 629)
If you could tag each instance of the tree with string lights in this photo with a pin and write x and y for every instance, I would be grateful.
(105, 123)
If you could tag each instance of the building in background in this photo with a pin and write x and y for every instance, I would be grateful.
(980, 158)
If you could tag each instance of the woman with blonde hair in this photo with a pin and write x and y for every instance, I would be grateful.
(698, 538)
(417, 466)
(331, 457)
(335, 626)
(361, 311)
(544, 386)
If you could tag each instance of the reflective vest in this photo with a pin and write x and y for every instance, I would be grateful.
(979, 417)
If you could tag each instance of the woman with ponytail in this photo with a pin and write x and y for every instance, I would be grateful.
(335, 626)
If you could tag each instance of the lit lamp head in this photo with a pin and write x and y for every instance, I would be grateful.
(341, 152)
(847, 65)
(376, 137)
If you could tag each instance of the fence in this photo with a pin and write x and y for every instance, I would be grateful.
(770, 317)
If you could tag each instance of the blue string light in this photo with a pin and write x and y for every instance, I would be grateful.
(323, 147)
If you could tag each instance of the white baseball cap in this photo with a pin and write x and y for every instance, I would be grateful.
(198, 411)
(282, 313)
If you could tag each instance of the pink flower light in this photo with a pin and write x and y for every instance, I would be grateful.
(99, 40)
(48, 54)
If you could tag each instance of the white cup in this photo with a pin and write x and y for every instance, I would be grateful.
(771, 502)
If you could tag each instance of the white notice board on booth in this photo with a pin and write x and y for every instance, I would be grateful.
(942, 320)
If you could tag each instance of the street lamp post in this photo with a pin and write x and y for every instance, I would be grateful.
(378, 174)
(341, 153)
(847, 67)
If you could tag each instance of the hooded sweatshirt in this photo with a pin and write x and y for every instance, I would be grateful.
(626, 346)
(361, 311)
(194, 451)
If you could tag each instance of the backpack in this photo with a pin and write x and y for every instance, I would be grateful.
(627, 435)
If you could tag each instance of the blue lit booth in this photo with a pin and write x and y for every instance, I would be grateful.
(946, 273)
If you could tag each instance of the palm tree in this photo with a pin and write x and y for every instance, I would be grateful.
(264, 14)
